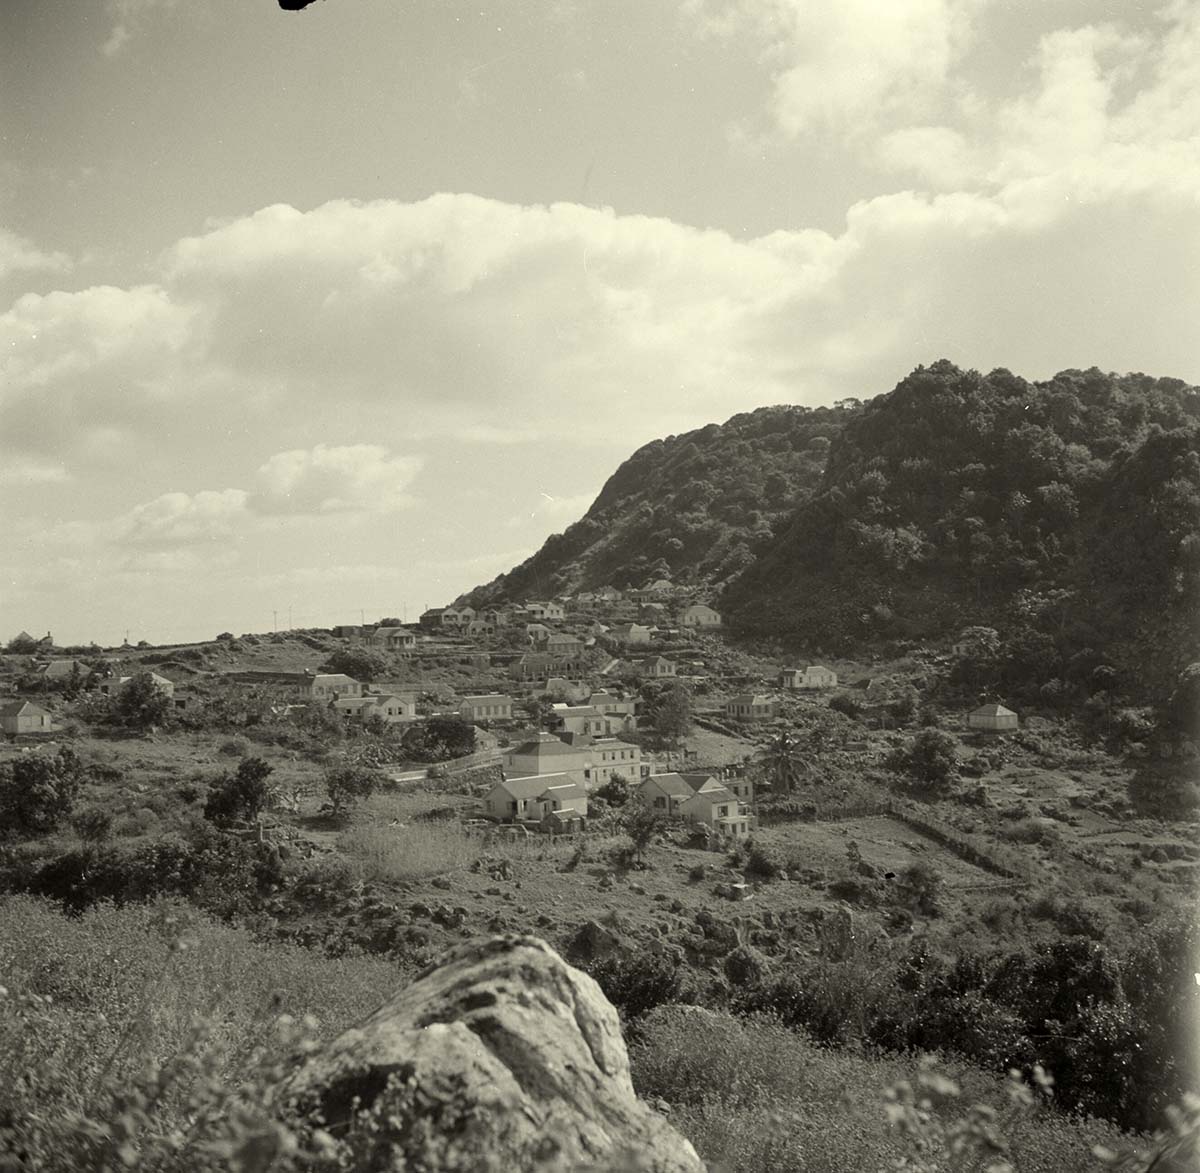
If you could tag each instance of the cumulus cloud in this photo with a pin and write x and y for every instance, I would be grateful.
(20, 255)
(355, 478)
(184, 519)
(466, 320)
(848, 65)
(84, 367)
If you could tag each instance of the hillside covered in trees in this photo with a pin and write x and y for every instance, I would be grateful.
(1063, 513)
(696, 508)
(1066, 514)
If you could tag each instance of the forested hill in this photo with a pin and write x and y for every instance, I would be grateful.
(696, 508)
(1064, 513)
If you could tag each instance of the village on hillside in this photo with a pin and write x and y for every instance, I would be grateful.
(562, 697)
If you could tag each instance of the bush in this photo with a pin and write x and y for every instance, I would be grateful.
(638, 982)
(93, 825)
(845, 704)
(764, 859)
(919, 888)
(241, 795)
(37, 792)
(347, 784)
(927, 763)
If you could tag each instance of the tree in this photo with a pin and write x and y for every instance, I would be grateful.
(615, 791)
(241, 795)
(782, 763)
(37, 792)
(346, 784)
(439, 739)
(641, 823)
(359, 663)
(928, 762)
(671, 713)
(141, 703)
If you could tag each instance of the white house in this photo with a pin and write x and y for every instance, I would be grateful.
(492, 707)
(393, 639)
(751, 707)
(992, 718)
(812, 677)
(699, 615)
(389, 707)
(329, 686)
(533, 798)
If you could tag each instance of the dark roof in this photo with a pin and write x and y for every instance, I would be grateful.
(671, 784)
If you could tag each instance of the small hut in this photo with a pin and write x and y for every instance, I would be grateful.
(992, 718)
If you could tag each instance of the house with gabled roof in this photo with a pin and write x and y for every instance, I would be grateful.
(62, 671)
(493, 706)
(329, 686)
(699, 615)
(393, 639)
(664, 792)
(815, 676)
(561, 644)
(656, 667)
(393, 708)
(17, 717)
(550, 610)
(111, 685)
(718, 807)
(579, 719)
(532, 798)
(630, 633)
(751, 707)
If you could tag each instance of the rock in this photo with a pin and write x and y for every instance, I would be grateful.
(594, 940)
(442, 882)
(499, 1057)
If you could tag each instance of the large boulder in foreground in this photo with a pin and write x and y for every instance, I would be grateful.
(498, 1057)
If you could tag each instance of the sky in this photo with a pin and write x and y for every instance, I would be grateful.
(313, 316)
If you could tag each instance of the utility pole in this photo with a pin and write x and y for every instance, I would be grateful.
(289, 618)
(274, 620)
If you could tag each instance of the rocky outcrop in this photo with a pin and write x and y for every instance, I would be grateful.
(500, 1056)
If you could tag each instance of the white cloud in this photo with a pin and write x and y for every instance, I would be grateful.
(184, 519)
(355, 478)
(846, 66)
(20, 255)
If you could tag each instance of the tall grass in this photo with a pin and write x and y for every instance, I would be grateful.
(379, 853)
(150, 1037)
(756, 1097)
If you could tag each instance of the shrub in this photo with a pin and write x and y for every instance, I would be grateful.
(347, 784)
(92, 825)
(240, 795)
(919, 887)
(927, 763)
(638, 982)
(845, 704)
(37, 792)
(764, 859)
(234, 747)
(140, 703)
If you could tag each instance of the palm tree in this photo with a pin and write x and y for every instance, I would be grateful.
(782, 763)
